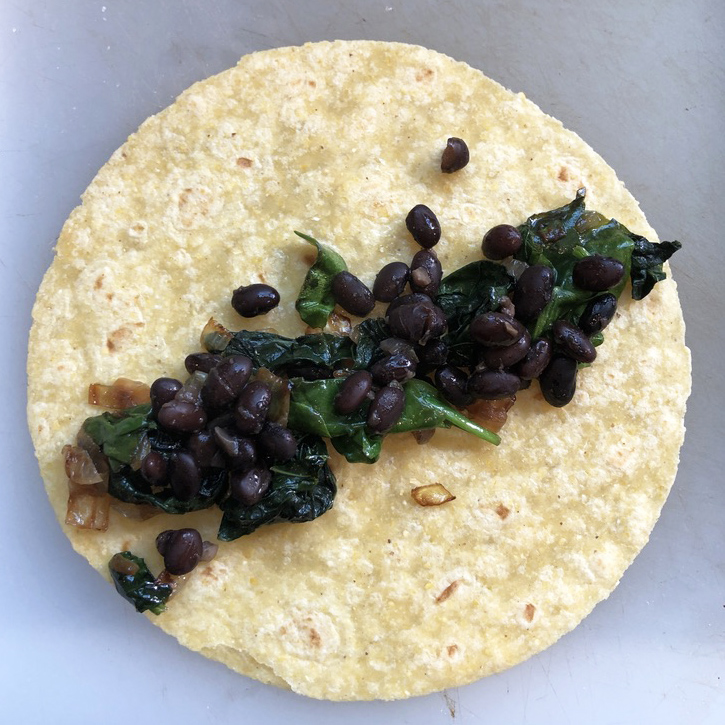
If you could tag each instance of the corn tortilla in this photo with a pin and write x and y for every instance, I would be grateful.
(380, 597)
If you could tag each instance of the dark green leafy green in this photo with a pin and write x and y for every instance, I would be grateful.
(120, 435)
(262, 348)
(140, 588)
(647, 260)
(321, 351)
(370, 333)
(315, 301)
(130, 486)
(301, 490)
(476, 288)
(312, 410)
(424, 408)
(561, 237)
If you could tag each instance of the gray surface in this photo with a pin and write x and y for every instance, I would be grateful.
(643, 83)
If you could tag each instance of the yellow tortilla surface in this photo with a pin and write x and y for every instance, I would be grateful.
(380, 597)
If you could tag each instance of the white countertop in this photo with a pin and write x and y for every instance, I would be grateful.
(643, 83)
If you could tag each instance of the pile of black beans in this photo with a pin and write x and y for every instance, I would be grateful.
(221, 417)
(507, 359)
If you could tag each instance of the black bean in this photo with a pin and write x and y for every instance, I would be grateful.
(393, 367)
(425, 272)
(433, 353)
(252, 406)
(390, 281)
(254, 299)
(558, 381)
(455, 155)
(353, 392)
(181, 549)
(408, 300)
(240, 451)
(181, 417)
(493, 384)
(203, 447)
(201, 361)
(536, 359)
(184, 475)
(597, 273)
(495, 329)
(504, 357)
(351, 294)
(226, 381)
(276, 442)
(573, 341)
(501, 241)
(163, 391)
(452, 383)
(423, 224)
(248, 487)
(533, 291)
(597, 314)
(154, 467)
(418, 322)
(386, 408)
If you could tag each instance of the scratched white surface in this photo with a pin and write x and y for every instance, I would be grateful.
(644, 83)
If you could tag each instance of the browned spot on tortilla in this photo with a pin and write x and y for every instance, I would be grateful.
(99, 281)
(312, 84)
(452, 649)
(563, 174)
(244, 162)
(424, 74)
(109, 296)
(315, 639)
(208, 572)
(448, 591)
(529, 612)
(118, 338)
(503, 511)
(193, 203)
(283, 631)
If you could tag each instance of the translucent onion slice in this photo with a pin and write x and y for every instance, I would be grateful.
(88, 507)
(123, 393)
(79, 466)
(432, 494)
(281, 389)
(191, 390)
(490, 414)
(215, 337)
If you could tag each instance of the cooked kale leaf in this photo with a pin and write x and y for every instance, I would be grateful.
(315, 302)
(314, 355)
(469, 291)
(301, 490)
(312, 410)
(140, 587)
(647, 260)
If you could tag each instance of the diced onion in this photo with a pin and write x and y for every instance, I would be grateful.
(208, 551)
(215, 337)
(88, 507)
(79, 466)
(281, 388)
(490, 414)
(432, 494)
(123, 393)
